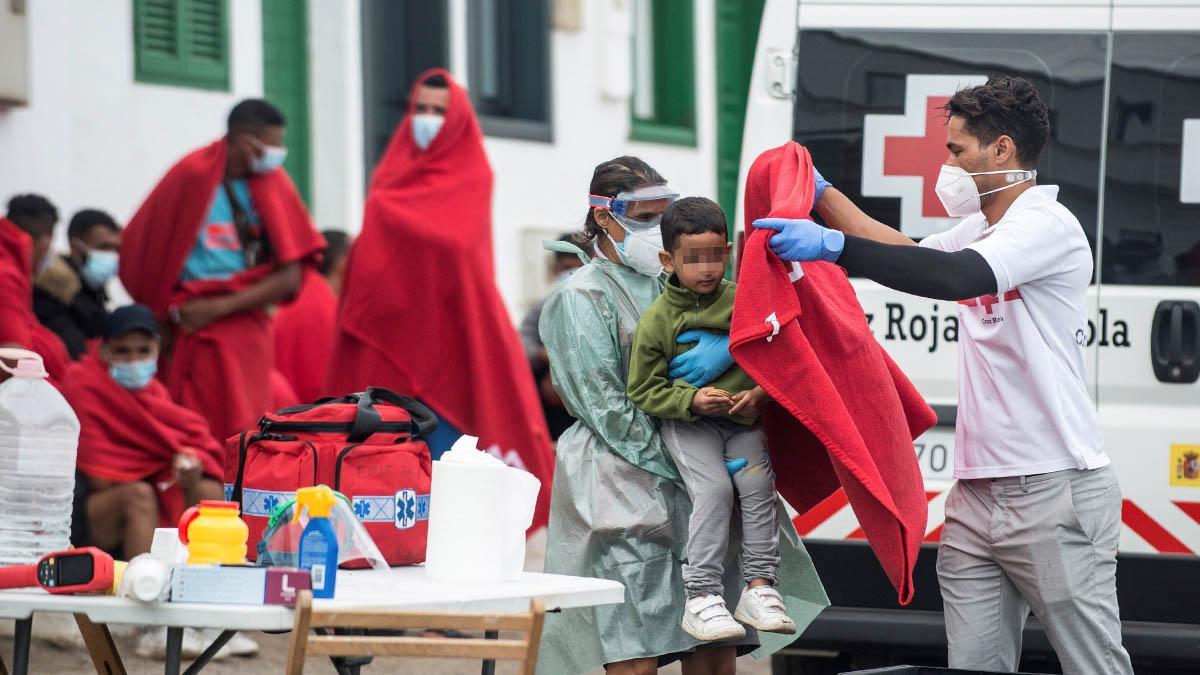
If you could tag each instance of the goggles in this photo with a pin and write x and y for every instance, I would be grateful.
(620, 205)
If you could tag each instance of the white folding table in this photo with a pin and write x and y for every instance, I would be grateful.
(400, 589)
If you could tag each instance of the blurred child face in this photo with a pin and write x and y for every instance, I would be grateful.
(698, 261)
(133, 346)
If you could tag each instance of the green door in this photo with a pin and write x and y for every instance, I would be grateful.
(285, 80)
(737, 35)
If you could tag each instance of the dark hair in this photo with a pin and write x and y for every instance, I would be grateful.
(613, 177)
(83, 222)
(1004, 106)
(691, 215)
(337, 245)
(33, 213)
(254, 113)
(437, 81)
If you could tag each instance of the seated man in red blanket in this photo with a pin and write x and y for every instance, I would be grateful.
(144, 456)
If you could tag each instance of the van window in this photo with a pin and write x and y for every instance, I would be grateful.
(1152, 181)
(846, 77)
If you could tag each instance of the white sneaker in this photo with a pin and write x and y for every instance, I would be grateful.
(762, 607)
(238, 645)
(153, 644)
(706, 618)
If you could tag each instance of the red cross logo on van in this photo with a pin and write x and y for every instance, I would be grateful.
(902, 154)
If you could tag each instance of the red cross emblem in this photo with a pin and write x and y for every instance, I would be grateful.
(903, 154)
(988, 301)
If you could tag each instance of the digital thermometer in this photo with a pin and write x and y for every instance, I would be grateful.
(80, 570)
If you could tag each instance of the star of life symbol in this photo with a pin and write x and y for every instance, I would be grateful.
(406, 509)
(903, 154)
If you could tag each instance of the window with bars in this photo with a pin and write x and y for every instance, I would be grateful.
(664, 73)
(182, 42)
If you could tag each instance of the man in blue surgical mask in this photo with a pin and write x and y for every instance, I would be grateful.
(430, 103)
(222, 238)
(69, 296)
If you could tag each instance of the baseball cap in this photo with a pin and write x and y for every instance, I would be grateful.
(130, 318)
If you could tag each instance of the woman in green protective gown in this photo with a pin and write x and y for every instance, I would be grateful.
(618, 509)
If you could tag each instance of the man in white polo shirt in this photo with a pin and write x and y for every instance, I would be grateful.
(1034, 518)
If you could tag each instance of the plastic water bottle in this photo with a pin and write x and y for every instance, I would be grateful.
(39, 434)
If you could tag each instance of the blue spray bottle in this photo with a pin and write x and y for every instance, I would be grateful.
(318, 543)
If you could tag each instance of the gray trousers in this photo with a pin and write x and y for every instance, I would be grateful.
(700, 449)
(1046, 542)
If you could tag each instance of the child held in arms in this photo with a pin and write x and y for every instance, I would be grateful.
(707, 427)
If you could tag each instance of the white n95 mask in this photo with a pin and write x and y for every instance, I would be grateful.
(640, 250)
(960, 195)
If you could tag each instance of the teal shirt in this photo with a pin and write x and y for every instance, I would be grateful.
(218, 251)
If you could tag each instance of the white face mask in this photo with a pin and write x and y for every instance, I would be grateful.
(272, 158)
(959, 193)
(640, 249)
(425, 128)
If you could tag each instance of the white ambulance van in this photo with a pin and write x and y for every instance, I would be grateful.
(860, 83)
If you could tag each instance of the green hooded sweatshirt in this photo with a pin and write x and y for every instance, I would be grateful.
(676, 311)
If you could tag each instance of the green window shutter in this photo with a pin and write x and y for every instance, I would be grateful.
(182, 42)
(285, 81)
(672, 73)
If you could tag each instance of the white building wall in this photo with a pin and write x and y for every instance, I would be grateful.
(93, 137)
(336, 113)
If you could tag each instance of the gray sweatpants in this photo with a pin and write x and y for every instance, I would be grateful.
(700, 449)
(1046, 542)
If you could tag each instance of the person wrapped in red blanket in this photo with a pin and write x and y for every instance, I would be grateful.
(419, 310)
(848, 414)
(25, 235)
(219, 239)
(144, 456)
(304, 328)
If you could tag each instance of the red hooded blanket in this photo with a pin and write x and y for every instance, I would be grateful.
(420, 312)
(224, 370)
(304, 335)
(18, 324)
(134, 435)
(801, 334)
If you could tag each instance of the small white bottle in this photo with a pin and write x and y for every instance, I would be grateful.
(39, 436)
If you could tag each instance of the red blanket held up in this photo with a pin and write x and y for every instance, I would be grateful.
(18, 324)
(222, 371)
(420, 312)
(134, 435)
(304, 336)
(799, 331)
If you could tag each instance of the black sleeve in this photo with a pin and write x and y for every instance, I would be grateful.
(57, 317)
(920, 271)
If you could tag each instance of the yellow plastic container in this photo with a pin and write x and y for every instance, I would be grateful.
(214, 533)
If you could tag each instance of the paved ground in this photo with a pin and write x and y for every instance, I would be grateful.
(45, 658)
(48, 658)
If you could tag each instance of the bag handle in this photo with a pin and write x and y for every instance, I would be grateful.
(236, 496)
(367, 419)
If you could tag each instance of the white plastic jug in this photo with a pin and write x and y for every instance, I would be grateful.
(39, 434)
(479, 510)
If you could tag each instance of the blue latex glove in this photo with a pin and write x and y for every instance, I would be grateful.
(703, 363)
(803, 240)
(820, 184)
(735, 465)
